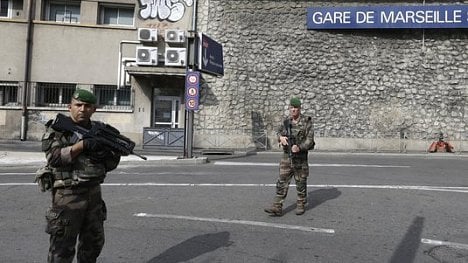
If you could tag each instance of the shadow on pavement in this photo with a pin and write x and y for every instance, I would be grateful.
(193, 247)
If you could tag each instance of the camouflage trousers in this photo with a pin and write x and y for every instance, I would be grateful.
(76, 213)
(297, 168)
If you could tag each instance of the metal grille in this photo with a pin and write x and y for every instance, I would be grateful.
(109, 97)
(58, 95)
(54, 94)
(9, 94)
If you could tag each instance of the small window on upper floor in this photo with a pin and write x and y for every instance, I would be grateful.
(9, 92)
(5, 8)
(116, 15)
(63, 11)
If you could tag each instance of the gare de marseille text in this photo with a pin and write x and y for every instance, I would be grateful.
(387, 17)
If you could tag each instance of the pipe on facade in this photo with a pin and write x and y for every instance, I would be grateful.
(119, 76)
(27, 71)
(194, 16)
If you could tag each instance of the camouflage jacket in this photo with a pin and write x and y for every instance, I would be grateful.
(302, 133)
(85, 168)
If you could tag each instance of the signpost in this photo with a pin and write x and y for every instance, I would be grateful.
(192, 88)
(210, 56)
(208, 59)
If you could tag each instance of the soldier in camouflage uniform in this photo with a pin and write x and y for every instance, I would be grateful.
(296, 136)
(77, 167)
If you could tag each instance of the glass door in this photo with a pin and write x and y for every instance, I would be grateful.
(166, 112)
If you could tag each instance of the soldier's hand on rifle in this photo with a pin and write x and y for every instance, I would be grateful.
(295, 148)
(91, 145)
(283, 140)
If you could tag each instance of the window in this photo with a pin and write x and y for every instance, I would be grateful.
(61, 11)
(54, 94)
(5, 8)
(109, 97)
(116, 15)
(8, 94)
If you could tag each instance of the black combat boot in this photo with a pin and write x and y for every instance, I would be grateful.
(275, 210)
(300, 208)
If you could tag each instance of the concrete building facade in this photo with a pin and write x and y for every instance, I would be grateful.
(367, 89)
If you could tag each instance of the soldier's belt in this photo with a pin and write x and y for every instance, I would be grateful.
(67, 183)
(75, 178)
(300, 155)
(75, 174)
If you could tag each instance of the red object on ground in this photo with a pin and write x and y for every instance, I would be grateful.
(440, 146)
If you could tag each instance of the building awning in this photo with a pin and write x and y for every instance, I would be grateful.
(151, 71)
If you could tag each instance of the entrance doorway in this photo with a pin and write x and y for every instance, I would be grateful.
(166, 112)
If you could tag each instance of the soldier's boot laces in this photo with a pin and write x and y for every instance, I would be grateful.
(275, 210)
(300, 208)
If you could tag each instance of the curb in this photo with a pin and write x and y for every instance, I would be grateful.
(15, 159)
(163, 161)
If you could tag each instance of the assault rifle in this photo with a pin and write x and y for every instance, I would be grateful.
(301, 136)
(291, 138)
(107, 135)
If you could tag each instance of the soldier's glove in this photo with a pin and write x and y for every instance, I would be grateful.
(100, 155)
(44, 179)
(91, 145)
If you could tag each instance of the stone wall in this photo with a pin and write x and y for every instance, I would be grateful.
(355, 83)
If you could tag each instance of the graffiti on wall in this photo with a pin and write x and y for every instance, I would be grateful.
(170, 10)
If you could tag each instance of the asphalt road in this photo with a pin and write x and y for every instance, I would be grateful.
(362, 208)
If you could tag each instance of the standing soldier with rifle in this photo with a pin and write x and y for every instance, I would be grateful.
(296, 136)
(76, 167)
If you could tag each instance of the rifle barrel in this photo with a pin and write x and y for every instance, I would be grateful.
(141, 156)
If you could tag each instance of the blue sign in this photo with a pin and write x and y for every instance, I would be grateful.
(210, 57)
(192, 90)
(366, 17)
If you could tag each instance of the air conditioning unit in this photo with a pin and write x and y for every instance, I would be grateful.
(147, 56)
(175, 36)
(147, 34)
(175, 57)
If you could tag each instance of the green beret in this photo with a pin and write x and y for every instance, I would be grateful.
(295, 102)
(84, 96)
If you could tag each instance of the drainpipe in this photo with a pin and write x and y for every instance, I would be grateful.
(194, 16)
(119, 72)
(27, 71)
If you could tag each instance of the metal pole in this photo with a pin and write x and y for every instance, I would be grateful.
(188, 127)
(27, 72)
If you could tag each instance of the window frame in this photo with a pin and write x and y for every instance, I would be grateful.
(9, 90)
(45, 99)
(64, 4)
(9, 8)
(119, 100)
(58, 96)
(107, 6)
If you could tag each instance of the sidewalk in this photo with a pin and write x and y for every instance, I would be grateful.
(28, 153)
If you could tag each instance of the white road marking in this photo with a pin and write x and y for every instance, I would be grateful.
(444, 243)
(312, 164)
(240, 222)
(17, 173)
(16, 184)
(454, 189)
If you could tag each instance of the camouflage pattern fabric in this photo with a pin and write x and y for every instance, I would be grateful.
(76, 213)
(77, 210)
(299, 169)
(297, 166)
